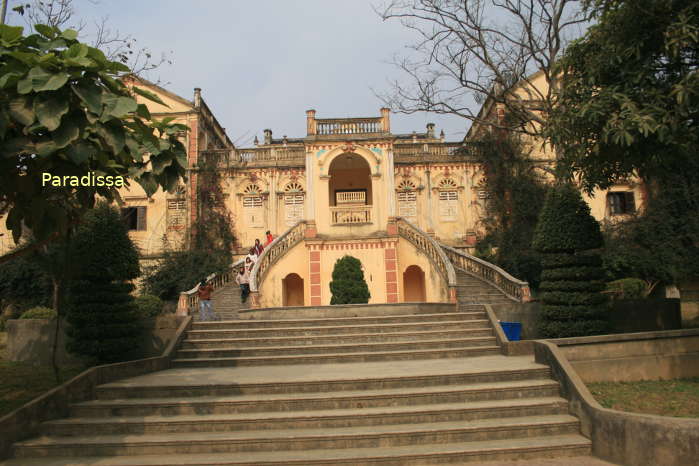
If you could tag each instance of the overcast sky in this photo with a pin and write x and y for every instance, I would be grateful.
(262, 64)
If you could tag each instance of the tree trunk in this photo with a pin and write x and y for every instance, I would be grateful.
(56, 300)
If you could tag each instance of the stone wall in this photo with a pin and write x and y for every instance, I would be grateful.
(31, 340)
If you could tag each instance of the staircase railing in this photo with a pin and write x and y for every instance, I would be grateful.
(428, 246)
(189, 300)
(513, 288)
(271, 254)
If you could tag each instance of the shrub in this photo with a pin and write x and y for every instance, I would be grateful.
(149, 305)
(24, 284)
(39, 312)
(348, 285)
(628, 288)
(567, 236)
(104, 322)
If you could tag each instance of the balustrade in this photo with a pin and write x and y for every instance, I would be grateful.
(515, 289)
(348, 214)
(428, 149)
(353, 126)
(428, 246)
(276, 249)
(350, 197)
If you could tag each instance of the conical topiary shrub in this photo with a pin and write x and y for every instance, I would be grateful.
(572, 278)
(348, 285)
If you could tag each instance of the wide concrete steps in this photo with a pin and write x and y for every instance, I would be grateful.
(420, 454)
(332, 339)
(343, 399)
(472, 290)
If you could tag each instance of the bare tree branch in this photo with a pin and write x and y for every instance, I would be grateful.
(473, 52)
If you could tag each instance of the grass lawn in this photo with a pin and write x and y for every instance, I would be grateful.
(21, 382)
(677, 398)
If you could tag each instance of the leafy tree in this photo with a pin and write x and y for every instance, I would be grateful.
(63, 111)
(516, 193)
(348, 285)
(567, 236)
(629, 94)
(179, 271)
(104, 322)
(482, 50)
(24, 284)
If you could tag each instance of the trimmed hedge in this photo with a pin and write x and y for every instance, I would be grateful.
(348, 285)
(148, 305)
(628, 288)
(39, 312)
(572, 279)
(563, 285)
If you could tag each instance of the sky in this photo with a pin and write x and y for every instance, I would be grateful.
(263, 63)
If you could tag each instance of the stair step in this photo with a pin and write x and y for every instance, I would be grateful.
(341, 321)
(487, 450)
(336, 339)
(233, 351)
(340, 330)
(459, 352)
(300, 439)
(348, 399)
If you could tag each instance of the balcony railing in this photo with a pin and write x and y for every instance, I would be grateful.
(348, 126)
(348, 215)
(225, 157)
(351, 197)
(418, 150)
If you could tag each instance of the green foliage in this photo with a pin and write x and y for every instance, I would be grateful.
(214, 231)
(630, 92)
(39, 312)
(348, 285)
(515, 195)
(149, 305)
(24, 284)
(572, 278)
(565, 224)
(104, 322)
(628, 288)
(63, 111)
(179, 271)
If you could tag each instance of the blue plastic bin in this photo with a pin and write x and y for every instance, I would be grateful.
(513, 330)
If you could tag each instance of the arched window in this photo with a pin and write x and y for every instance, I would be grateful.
(252, 206)
(293, 203)
(448, 199)
(407, 200)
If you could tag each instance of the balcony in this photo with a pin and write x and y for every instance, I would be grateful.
(350, 215)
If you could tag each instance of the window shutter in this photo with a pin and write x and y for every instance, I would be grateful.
(141, 219)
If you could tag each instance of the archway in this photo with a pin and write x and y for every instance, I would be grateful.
(349, 189)
(414, 284)
(292, 290)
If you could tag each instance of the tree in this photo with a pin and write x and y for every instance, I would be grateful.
(65, 113)
(516, 192)
(478, 51)
(572, 278)
(629, 101)
(348, 285)
(104, 322)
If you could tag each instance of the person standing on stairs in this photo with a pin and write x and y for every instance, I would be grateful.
(269, 238)
(204, 292)
(243, 279)
(258, 248)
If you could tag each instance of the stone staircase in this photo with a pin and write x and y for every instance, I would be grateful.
(471, 290)
(226, 302)
(365, 388)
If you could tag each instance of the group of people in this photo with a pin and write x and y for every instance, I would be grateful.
(205, 290)
(243, 276)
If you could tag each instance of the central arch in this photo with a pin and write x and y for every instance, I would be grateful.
(349, 173)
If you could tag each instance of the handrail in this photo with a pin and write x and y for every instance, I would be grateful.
(512, 287)
(430, 248)
(275, 250)
(190, 299)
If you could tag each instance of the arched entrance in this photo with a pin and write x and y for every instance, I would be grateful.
(350, 193)
(292, 290)
(414, 285)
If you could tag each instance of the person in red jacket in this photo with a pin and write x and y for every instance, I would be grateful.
(258, 248)
(204, 292)
(270, 238)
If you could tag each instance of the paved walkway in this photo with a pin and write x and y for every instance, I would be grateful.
(562, 461)
(332, 371)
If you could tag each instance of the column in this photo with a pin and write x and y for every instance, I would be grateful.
(390, 183)
(314, 269)
(391, 265)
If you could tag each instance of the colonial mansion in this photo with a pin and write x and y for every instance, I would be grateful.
(408, 206)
